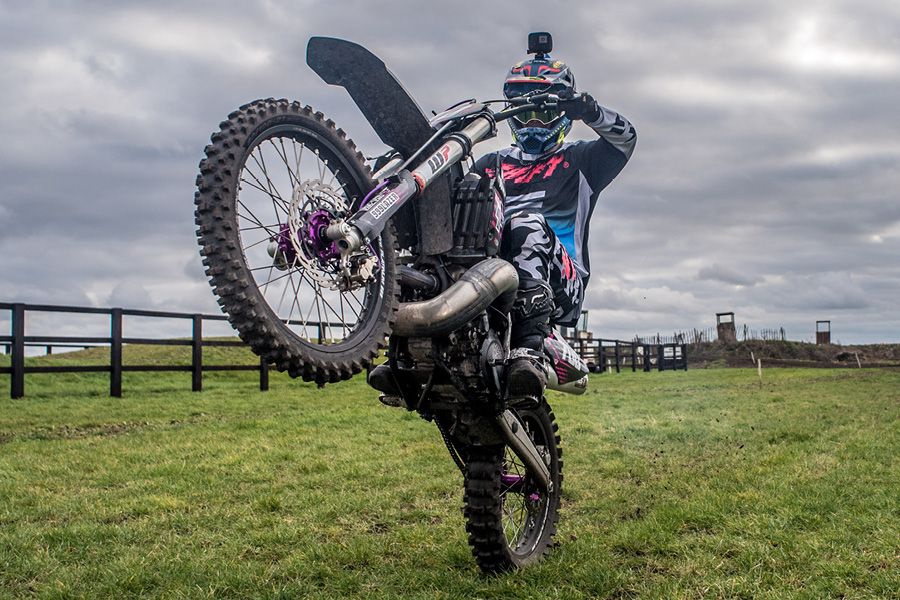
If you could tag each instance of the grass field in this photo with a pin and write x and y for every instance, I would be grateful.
(678, 485)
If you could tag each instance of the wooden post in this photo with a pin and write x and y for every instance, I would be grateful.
(858, 364)
(684, 355)
(618, 357)
(646, 358)
(759, 370)
(263, 375)
(660, 356)
(197, 354)
(17, 381)
(633, 357)
(115, 353)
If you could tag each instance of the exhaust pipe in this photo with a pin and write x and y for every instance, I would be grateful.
(477, 289)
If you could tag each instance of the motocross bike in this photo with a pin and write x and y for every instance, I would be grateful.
(320, 265)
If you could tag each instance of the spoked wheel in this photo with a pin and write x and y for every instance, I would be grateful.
(510, 521)
(275, 176)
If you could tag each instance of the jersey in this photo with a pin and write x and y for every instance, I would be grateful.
(564, 185)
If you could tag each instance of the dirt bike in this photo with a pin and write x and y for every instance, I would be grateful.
(321, 265)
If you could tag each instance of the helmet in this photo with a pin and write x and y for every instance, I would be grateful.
(537, 132)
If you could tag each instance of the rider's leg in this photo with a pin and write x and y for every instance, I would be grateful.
(548, 285)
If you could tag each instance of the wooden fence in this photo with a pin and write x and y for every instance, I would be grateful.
(18, 341)
(600, 354)
(606, 355)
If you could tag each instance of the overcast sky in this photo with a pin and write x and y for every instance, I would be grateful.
(765, 179)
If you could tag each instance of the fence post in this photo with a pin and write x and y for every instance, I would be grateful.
(633, 357)
(197, 353)
(263, 375)
(320, 332)
(618, 357)
(684, 355)
(660, 357)
(115, 353)
(17, 381)
(646, 358)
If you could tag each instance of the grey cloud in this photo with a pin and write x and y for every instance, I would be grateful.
(717, 272)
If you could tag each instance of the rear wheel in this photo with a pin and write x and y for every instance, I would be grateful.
(275, 176)
(510, 520)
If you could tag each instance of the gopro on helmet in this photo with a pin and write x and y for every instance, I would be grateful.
(540, 43)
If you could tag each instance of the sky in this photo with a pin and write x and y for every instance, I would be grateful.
(765, 179)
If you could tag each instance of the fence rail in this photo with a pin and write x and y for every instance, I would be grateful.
(603, 354)
(600, 354)
(18, 341)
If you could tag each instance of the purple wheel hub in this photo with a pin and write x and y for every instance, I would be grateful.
(515, 483)
(311, 237)
(284, 243)
(316, 225)
(512, 481)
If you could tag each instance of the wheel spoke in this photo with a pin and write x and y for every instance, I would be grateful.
(268, 188)
(297, 157)
(263, 240)
(283, 156)
(258, 186)
(266, 227)
(255, 219)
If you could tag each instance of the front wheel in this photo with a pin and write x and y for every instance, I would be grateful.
(275, 176)
(511, 522)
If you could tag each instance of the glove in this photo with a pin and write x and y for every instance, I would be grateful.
(582, 107)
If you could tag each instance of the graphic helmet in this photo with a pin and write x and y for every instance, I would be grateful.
(537, 132)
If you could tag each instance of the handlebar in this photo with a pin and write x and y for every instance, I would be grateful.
(527, 103)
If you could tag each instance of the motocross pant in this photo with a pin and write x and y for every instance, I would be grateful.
(550, 289)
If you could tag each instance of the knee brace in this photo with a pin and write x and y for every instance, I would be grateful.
(531, 314)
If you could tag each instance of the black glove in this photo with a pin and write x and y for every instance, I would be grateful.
(581, 107)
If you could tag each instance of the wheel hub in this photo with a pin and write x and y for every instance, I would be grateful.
(302, 240)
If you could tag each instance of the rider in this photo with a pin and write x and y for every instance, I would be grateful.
(551, 190)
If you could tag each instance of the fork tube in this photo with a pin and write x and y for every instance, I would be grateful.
(452, 151)
(367, 223)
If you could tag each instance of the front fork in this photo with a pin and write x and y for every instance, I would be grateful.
(357, 231)
(515, 436)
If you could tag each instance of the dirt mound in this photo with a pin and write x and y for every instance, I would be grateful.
(785, 353)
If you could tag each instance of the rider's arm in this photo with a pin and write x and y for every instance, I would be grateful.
(607, 123)
(614, 128)
(601, 160)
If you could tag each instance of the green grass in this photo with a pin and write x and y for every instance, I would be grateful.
(678, 485)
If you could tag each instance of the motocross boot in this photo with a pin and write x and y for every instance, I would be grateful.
(526, 375)
(382, 379)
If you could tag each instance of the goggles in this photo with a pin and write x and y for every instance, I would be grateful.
(544, 117)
